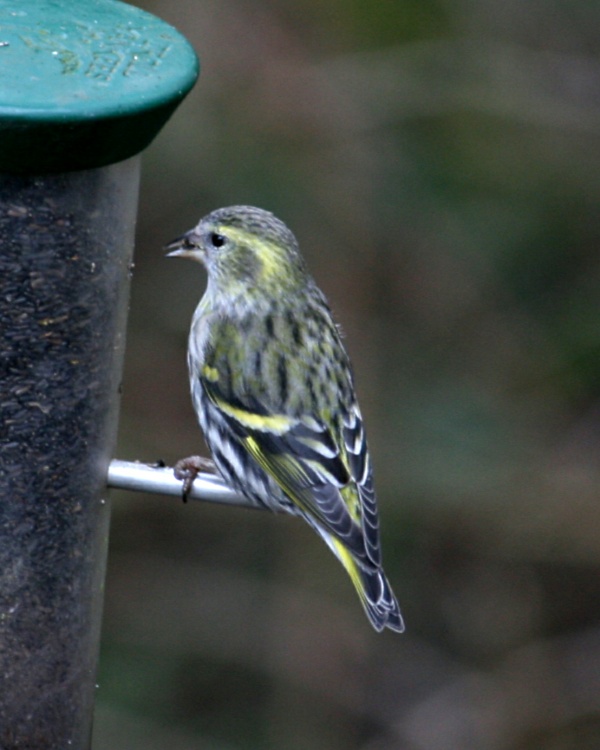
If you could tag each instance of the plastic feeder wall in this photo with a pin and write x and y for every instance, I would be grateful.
(84, 87)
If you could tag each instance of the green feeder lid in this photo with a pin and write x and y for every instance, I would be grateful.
(84, 83)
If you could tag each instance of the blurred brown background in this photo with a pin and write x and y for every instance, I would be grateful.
(440, 164)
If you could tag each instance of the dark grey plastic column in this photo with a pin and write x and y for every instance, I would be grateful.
(84, 87)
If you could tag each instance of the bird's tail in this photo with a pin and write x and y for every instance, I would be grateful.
(373, 589)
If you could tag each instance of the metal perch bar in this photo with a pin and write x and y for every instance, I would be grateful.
(141, 477)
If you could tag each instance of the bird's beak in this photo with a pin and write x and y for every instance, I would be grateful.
(178, 247)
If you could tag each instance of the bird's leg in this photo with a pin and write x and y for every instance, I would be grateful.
(187, 469)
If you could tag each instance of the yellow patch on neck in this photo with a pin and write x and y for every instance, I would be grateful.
(268, 253)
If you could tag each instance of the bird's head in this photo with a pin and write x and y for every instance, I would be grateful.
(244, 250)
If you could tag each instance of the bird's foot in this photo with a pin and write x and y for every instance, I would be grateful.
(187, 469)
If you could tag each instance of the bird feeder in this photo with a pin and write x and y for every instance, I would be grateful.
(85, 85)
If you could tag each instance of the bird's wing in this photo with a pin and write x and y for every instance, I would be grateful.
(357, 456)
(330, 483)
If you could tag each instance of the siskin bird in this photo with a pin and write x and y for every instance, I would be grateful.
(273, 390)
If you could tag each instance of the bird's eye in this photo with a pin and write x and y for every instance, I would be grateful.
(216, 240)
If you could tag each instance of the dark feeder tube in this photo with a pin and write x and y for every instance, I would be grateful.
(84, 87)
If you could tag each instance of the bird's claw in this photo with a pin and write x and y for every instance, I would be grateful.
(187, 469)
